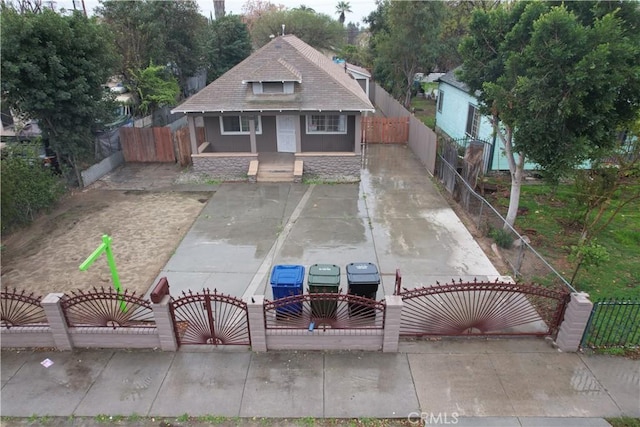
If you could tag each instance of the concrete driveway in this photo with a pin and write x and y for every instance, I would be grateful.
(395, 217)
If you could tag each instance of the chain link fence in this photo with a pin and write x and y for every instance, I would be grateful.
(525, 263)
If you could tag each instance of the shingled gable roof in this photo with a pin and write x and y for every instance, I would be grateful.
(324, 85)
(278, 71)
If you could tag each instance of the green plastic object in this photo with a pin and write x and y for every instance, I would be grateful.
(106, 248)
(324, 278)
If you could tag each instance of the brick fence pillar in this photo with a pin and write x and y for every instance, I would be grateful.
(257, 331)
(164, 324)
(392, 323)
(576, 317)
(57, 322)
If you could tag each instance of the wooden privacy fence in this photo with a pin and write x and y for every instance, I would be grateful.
(387, 130)
(156, 144)
(147, 144)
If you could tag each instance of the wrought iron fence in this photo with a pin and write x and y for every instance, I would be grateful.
(613, 324)
(525, 263)
(210, 318)
(351, 314)
(481, 308)
(107, 308)
(18, 308)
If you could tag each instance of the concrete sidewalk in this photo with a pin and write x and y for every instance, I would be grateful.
(515, 380)
(395, 218)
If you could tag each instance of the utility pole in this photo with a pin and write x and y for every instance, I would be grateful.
(218, 7)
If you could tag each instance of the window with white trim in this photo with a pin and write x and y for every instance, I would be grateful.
(327, 123)
(237, 125)
(473, 121)
(440, 100)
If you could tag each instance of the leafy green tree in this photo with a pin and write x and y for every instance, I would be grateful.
(316, 29)
(556, 89)
(27, 188)
(162, 32)
(454, 27)
(407, 44)
(155, 87)
(228, 42)
(53, 68)
(341, 8)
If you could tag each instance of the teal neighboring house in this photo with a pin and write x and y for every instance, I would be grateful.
(458, 116)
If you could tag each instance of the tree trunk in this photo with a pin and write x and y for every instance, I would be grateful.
(514, 197)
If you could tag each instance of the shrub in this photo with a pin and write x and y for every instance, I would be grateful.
(502, 237)
(26, 186)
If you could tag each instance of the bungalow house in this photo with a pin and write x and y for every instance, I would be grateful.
(458, 116)
(286, 108)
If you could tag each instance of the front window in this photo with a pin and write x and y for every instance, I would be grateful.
(237, 125)
(473, 121)
(327, 123)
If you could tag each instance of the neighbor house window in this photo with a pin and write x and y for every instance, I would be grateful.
(327, 123)
(440, 100)
(237, 125)
(473, 121)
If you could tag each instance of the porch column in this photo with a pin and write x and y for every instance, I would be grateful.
(358, 134)
(252, 134)
(298, 135)
(191, 122)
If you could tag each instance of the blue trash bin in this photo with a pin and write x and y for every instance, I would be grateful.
(287, 280)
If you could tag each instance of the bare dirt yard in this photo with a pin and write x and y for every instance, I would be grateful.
(146, 227)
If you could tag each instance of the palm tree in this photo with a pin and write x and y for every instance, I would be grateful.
(305, 9)
(343, 7)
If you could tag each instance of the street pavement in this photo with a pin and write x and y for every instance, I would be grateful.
(395, 218)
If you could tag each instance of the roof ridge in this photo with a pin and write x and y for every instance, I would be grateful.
(324, 64)
(291, 68)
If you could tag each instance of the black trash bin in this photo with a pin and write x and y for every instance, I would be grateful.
(363, 279)
(324, 278)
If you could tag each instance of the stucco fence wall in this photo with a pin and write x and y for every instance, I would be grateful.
(162, 334)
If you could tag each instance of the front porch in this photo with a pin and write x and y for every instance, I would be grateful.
(279, 167)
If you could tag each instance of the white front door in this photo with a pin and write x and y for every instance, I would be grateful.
(286, 130)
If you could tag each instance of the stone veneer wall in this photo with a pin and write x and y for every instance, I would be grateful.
(223, 166)
(339, 167)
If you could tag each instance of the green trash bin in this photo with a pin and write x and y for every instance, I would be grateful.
(324, 278)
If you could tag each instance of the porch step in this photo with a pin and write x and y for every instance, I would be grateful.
(275, 167)
(280, 174)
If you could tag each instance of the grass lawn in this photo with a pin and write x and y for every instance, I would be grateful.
(425, 110)
(549, 218)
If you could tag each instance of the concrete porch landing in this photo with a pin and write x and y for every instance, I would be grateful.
(276, 167)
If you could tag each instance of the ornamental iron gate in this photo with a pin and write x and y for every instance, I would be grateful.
(480, 308)
(210, 319)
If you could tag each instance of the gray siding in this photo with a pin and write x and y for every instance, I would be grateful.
(224, 143)
(268, 141)
(329, 142)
